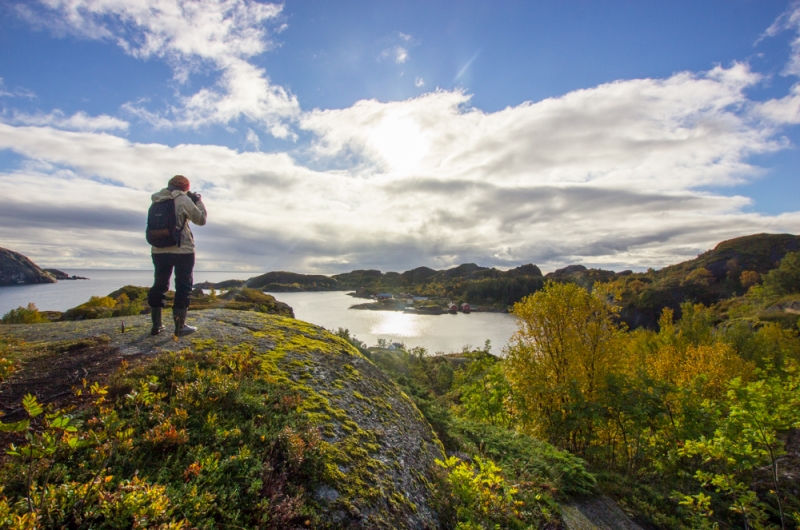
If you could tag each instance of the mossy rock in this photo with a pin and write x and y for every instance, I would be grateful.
(254, 300)
(380, 451)
(133, 292)
(242, 299)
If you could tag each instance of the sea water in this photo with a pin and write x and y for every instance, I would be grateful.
(70, 293)
(438, 333)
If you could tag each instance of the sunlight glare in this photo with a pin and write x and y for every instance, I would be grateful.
(401, 143)
(395, 324)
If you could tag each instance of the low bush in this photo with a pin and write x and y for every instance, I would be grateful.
(24, 315)
(197, 439)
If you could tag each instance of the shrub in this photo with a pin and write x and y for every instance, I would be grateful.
(24, 315)
(482, 497)
(196, 439)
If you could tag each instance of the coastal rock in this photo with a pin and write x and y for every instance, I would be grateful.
(227, 284)
(18, 269)
(61, 275)
(384, 449)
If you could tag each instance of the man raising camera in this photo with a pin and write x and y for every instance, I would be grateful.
(188, 207)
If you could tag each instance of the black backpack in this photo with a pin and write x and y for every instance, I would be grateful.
(162, 225)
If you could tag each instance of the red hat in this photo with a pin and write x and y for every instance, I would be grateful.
(180, 182)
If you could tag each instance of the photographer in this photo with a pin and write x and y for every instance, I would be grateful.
(188, 207)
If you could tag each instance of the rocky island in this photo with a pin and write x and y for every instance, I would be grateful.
(16, 269)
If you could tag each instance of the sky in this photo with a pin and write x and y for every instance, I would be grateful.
(331, 136)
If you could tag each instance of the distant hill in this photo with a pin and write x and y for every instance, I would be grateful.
(291, 281)
(709, 278)
(712, 276)
(18, 269)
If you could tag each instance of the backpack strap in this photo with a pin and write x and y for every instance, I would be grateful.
(185, 222)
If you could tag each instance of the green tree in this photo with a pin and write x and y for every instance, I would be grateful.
(484, 391)
(747, 439)
(786, 278)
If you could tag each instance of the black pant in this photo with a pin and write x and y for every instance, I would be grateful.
(184, 264)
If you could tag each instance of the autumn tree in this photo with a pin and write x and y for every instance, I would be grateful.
(749, 278)
(559, 358)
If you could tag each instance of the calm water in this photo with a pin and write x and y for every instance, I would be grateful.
(444, 333)
(69, 293)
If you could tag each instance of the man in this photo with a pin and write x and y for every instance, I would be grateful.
(188, 207)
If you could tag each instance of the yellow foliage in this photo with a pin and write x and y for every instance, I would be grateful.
(101, 301)
(749, 278)
(701, 277)
(566, 341)
(717, 363)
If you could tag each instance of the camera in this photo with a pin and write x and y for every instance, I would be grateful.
(194, 196)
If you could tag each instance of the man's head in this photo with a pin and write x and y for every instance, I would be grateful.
(179, 182)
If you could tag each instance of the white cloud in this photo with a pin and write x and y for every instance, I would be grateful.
(789, 20)
(80, 121)
(398, 53)
(419, 82)
(785, 110)
(253, 140)
(223, 34)
(609, 175)
(16, 93)
(685, 128)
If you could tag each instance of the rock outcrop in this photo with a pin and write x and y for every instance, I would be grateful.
(596, 513)
(61, 275)
(383, 449)
(18, 269)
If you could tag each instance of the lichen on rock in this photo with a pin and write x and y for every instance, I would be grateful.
(380, 451)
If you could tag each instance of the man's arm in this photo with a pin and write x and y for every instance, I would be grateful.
(195, 212)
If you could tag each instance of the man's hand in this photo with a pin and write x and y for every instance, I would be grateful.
(194, 196)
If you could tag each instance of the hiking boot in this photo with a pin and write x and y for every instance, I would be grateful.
(158, 327)
(181, 327)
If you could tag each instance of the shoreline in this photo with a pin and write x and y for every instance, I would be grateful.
(378, 306)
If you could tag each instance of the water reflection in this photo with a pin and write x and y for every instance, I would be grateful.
(437, 333)
(398, 325)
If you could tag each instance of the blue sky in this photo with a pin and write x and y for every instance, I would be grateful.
(329, 136)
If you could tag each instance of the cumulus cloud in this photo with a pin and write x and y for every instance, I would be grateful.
(80, 121)
(189, 34)
(676, 133)
(615, 175)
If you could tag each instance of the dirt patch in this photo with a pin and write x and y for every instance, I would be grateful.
(53, 372)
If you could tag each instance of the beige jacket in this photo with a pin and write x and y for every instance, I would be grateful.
(185, 210)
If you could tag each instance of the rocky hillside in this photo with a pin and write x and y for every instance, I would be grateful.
(723, 272)
(291, 281)
(17, 269)
(377, 466)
